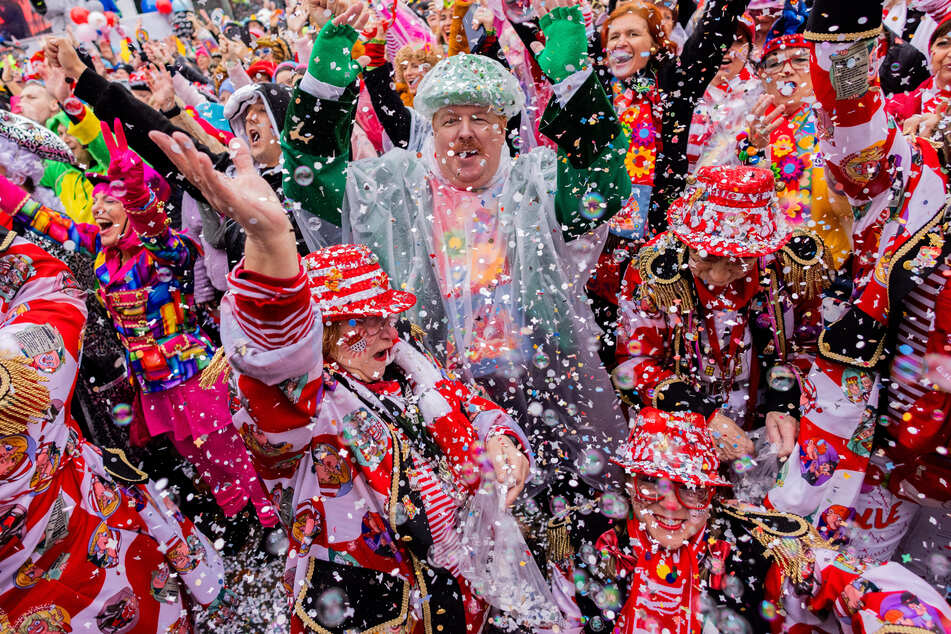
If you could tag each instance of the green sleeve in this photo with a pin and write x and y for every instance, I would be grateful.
(316, 144)
(591, 151)
(52, 175)
(100, 154)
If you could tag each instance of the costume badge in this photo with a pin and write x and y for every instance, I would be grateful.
(849, 71)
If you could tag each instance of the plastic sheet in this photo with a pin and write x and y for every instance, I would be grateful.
(499, 567)
(753, 476)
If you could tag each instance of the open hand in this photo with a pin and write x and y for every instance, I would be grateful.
(246, 197)
(762, 124)
(731, 441)
(782, 431)
(510, 465)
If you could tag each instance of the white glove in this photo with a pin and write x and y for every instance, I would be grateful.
(420, 371)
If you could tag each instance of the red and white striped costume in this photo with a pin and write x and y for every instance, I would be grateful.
(80, 551)
(363, 501)
(897, 186)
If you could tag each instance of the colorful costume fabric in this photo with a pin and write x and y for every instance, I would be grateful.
(86, 545)
(367, 479)
(681, 344)
(719, 117)
(897, 186)
(805, 192)
(748, 570)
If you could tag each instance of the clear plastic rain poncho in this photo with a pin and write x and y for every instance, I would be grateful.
(499, 292)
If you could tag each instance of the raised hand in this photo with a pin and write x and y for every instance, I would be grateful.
(562, 23)
(762, 124)
(60, 53)
(731, 441)
(125, 167)
(270, 248)
(330, 59)
(162, 88)
(782, 430)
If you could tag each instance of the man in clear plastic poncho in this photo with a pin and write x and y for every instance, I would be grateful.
(496, 248)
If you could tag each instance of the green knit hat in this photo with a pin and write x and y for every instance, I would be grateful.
(469, 80)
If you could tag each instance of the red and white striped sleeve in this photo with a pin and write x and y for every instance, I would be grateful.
(270, 327)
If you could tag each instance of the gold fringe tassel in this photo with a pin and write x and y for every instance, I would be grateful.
(807, 278)
(559, 547)
(789, 552)
(23, 397)
(217, 370)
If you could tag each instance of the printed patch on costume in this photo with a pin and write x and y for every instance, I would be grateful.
(857, 385)
(44, 467)
(367, 436)
(861, 441)
(104, 496)
(817, 461)
(12, 523)
(15, 270)
(185, 555)
(849, 71)
(376, 535)
(927, 256)
(104, 546)
(850, 601)
(69, 285)
(906, 608)
(57, 526)
(308, 524)
(164, 587)
(28, 575)
(334, 473)
(17, 453)
(865, 166)
(834, 524)
(120, 613)
(47, 618)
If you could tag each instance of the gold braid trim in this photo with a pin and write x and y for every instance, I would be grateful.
(842, 37)
(23, 397)
(559, 547)
(665, 293)
(216, 370)
(891, 628)
(789, 550)
(806, 278)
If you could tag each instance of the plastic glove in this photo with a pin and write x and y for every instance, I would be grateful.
(567, 47)
(126, 167)
(420, 371)
(330, 59)
(11, 196)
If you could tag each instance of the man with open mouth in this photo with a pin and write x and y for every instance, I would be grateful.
(468, 228)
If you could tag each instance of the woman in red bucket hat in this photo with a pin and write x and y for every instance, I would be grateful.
(720, 311)
(364, 443)
(673, 555)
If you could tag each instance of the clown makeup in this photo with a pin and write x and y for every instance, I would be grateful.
(657, 506)
(718, 271)
(363, 347)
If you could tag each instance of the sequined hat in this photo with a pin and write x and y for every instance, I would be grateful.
(464, 80)
(673, 445)
(33, 137)
(347, 281)
(730, 211)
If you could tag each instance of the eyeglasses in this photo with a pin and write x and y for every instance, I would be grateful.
(775, 63)
(653, 489)
(373, 325)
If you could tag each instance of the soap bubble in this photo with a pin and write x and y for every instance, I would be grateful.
(592, 205)
(122, 414)
(767, 610)
(592, 462)
(541, 360)
(613, 505)
(743, 464)
(303, 176)
(623, 377)
(781, 378)
(332, 607)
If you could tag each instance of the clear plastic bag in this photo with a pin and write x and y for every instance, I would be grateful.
(499, 567)
(753, 476)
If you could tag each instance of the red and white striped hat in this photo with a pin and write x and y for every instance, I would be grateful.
(347, 281)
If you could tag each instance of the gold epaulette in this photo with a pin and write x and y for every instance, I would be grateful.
(217, 370)
(806, 263)
(662, 265)
(787, 545)
(23, 397)
(558, 545)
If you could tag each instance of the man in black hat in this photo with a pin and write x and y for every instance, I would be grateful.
(869, 380)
